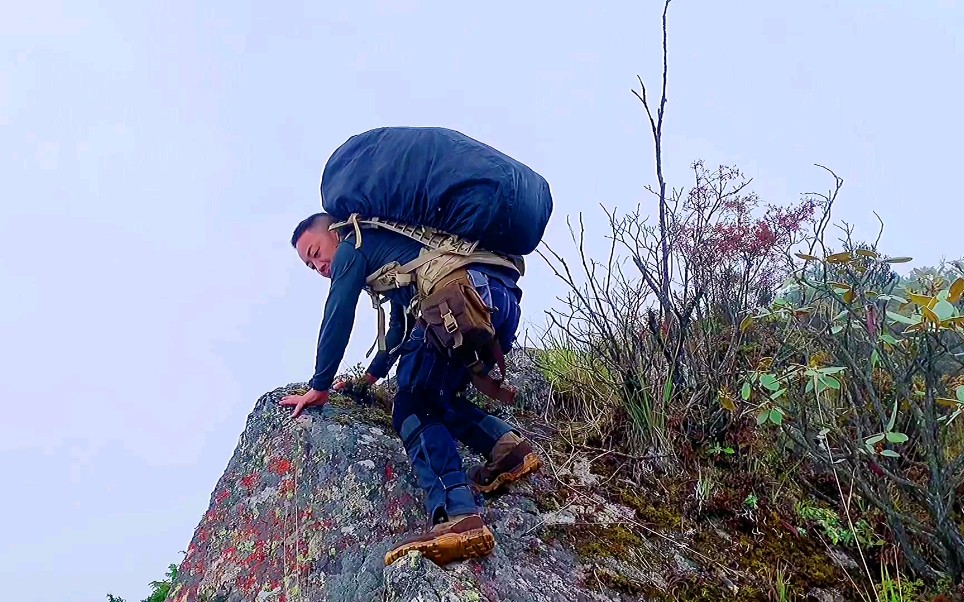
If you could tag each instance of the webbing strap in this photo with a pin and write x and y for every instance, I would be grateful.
(491, 387)
(380, 337)
(353, 221)
(421, 260)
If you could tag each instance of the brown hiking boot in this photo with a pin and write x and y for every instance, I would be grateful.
(512, 459)
(460, 538)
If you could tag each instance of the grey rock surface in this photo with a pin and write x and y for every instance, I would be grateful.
(306, 510)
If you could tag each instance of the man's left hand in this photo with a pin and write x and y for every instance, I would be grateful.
(312, 399)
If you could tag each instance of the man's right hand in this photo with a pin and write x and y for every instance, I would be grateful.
(346, 382)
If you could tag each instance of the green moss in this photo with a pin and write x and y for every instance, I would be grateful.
(614, 541)
(696, 590)
(373, 415)
(665, 515)
(806, 558)
(622, 584)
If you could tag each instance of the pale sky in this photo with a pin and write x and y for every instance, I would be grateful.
(153, 162)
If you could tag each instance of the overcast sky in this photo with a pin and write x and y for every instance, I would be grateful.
(153, 161)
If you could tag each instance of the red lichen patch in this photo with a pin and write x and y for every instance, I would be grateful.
(249, 482)
(280, 466)
(223, 496)
(202, 536)
(246, 582)
(389, 472)
(287, 487)
(256, 558)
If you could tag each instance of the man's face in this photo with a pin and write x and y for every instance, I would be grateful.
(316, 248)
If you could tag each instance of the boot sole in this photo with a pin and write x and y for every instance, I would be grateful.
(449, 547)
(530, 464)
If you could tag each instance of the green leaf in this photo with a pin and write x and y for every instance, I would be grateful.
(875, 439)
(667, 390)
(890, 453)
(902, 318)
(745, 391)
(837, 329)
(778, 394)
(899, 259)
(960, 394)
(944, 310)
(874, 359)
(830, 382)
(896, 437)
(893, 417)
(890, 340)
(831, 370)
(809, 385)
(770, 382)
(762, 416)
(776, 416)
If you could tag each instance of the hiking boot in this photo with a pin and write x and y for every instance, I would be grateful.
(460, 538)
(512, 459)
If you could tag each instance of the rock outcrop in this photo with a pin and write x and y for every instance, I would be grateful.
(306, 510)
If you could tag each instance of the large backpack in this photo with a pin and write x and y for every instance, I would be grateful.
(466, 203)
(439, 178)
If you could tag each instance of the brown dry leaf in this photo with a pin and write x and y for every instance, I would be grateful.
(957, 291)
(957, 322)
(726, 401)
(840, 258)
(921, 300)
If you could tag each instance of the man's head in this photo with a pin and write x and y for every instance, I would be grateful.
(315, 243)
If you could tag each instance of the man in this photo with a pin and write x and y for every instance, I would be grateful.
(428, 414)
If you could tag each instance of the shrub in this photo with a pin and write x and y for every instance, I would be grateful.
(867, 384)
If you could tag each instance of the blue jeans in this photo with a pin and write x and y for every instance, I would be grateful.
(430, 415)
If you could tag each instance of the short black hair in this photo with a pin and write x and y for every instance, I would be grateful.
(308, 223)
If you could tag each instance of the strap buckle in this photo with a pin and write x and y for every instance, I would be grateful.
(448, 321)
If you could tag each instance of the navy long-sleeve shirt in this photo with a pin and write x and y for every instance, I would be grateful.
(350, 268)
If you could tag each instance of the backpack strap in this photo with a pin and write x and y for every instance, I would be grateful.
(491, 387)
(442, 254)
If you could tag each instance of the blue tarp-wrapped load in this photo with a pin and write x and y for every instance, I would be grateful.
(439, 178)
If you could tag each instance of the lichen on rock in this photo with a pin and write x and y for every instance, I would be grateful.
(306, 510)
